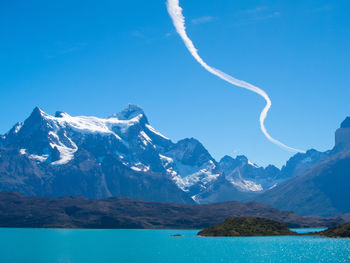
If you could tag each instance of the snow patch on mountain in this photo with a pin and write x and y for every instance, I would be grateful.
(65, 132)
(140, 167)
(186, 176)
(156, 132)
(253, 164)
(66, 153)
(18, 127)
(246, 185)
(145, 139)
(166, 160)
(93, 124)
(273, 186)
(39, 158)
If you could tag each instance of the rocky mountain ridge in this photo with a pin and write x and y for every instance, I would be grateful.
(106, 153)
(123, 155)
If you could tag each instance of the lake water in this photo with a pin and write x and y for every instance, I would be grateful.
(157, 246)
(307, 230)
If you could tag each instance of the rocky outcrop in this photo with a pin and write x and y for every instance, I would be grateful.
(342, 135)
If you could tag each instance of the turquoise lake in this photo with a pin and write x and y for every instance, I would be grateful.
(158, 246)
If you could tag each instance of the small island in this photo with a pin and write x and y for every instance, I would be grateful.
(341, 231)
(247, 226)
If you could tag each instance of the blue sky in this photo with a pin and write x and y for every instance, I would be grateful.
(93, 59)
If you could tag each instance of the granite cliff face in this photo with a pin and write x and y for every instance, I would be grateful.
(342, 135)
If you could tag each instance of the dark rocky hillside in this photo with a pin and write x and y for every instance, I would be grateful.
(17, 210)
(338, 231)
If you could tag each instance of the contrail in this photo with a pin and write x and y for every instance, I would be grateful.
(175, 12)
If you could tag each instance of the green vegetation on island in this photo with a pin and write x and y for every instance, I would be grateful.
(337, 231)
(247, 226)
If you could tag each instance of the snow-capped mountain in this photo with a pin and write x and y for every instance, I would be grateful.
(240, 180)
(55, 139)
(101, 157)
(123, 155)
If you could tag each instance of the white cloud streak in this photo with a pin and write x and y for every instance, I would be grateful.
(202, 20)
(175, 12)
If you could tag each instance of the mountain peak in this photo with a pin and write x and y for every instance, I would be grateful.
(191, 152)
(345, 123)
(37, 111)
(226, 158)
(36, 115)
(342, 135)
(129, 112)
(231, 162)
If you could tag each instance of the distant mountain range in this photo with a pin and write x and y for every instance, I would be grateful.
(123, 155)
(323, 188)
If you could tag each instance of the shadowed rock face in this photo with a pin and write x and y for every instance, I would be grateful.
(323, 189)
(345, 123)
(17, 210)
(247, 226)
(342, 135)
(321, 181)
